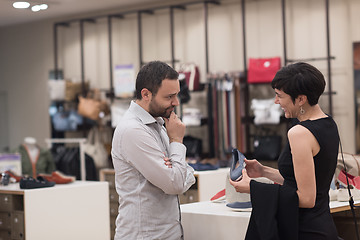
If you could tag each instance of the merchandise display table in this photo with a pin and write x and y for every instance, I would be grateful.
(336, 206)
(213, 221)
(210, 182)
(207, 184)
(78, 210)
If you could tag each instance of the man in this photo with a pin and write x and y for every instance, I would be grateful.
(149, 159)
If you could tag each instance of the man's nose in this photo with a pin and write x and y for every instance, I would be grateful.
(176, 102)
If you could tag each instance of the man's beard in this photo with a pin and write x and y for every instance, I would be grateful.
(157, 111)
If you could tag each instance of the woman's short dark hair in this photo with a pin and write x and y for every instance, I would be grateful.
(151, 76)
(300, 79)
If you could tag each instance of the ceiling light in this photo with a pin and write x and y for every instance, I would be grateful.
(35, 8)
(21, 5)
(43, 6)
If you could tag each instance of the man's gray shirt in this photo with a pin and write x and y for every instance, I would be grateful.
(147, 188)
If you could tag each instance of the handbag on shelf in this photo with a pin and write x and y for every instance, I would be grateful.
(74, 89)
(263, 70)
(193, 146)
(266, 111)
(267, 145)
(190, 72)
(118, 110)
(92, 105)
(56, 89)
(95, 148)
(184, 94)
(89, 107)
(66, 120)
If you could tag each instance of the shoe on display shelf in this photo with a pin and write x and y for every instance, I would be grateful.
(240, 206)
(58, 177)
(13, 175)
(31, 183)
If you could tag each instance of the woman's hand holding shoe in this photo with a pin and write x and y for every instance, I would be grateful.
(243, 185)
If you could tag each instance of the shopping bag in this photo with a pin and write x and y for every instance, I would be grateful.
(263, 70)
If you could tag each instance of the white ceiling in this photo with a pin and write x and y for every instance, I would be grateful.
(64, 8)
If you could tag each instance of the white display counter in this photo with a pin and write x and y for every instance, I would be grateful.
(214, 221)
(78, 210)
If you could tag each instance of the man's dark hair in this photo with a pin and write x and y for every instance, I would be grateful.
(151, 76)
(300, 79)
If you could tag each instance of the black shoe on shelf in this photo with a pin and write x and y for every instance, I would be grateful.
(39, 182)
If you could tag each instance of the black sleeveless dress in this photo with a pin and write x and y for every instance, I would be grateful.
(316, 222)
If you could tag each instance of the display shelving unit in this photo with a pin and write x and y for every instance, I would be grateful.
(140, 13)
(247, 119)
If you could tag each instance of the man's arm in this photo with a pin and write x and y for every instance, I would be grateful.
(140, 149)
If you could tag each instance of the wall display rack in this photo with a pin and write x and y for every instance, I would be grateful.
(246, 119)
(245, 89)
(121, 15)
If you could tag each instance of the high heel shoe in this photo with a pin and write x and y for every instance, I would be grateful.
(237, 158)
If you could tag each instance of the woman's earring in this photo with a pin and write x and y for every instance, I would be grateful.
(302, 111)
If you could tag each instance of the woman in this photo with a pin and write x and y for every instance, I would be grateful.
(298, 206)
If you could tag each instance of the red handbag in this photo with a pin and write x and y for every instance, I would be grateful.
(263, 70)
(190, 72)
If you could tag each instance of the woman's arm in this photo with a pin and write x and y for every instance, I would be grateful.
(255, 169)
(304, 146)
(273, 174)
